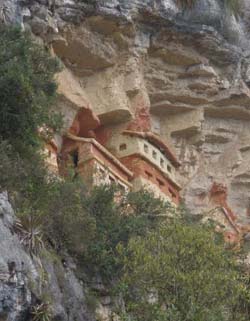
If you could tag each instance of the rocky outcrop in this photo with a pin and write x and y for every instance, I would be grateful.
(186, 69)
(142, 65)
(25, 279)
(189, 68)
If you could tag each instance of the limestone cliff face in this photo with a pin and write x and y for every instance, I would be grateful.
(144, 65)
(187, 70)
(23, 278)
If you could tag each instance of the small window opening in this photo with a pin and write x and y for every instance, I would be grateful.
(145, 148)
(169, 168)
(149, 175)
(154, 154)
(160, 182)
(173, 195)
(162, 162)
(75, 158)
(123, 147)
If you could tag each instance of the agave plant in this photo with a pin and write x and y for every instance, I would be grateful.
(41, 312)
(29, 229)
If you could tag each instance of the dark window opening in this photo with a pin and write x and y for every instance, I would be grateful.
(123, 147)
(149, 175)
(160, 182)
(75, 158)
(162, 162)
(173, 195)
(145, 148)
(154, 154)
(169, 168)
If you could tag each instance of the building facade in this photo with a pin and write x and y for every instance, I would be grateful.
(94, 163)
(151, 161)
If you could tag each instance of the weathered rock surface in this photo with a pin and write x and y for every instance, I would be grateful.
(24, 280)
(140, 63)
(188, 69)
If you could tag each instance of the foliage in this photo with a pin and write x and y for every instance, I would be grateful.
(27, 180)
(186, 4)
(182, 272)
(27, 93)
(29, 229)
(91, 223)
(41, 312)
(26, 70)
(170, 269)
(232, 5)
(68, 224)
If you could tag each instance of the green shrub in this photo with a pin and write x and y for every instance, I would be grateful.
(67, 222)
(186, 4)
(27, 89)
(29, 229)
(181, 271)
(90, 224)
(231, 5)
(41, 312)
(27, 94)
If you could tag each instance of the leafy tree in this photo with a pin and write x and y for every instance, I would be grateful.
(92, 223)
(27, 116)
(182, 272)
(27, 89)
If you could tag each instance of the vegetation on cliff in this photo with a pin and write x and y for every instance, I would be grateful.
(185, 273)
(232, 5)
(27, 89)
(166, 267)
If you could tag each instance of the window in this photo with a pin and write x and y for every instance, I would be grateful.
(145, 148)
(75, 158)
(149, 175)
(162, 163)
(173, 195)
(123, 147)
(169, 168)
(154, 154)
(160, 182)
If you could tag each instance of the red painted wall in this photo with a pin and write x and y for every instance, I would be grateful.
(86, 152)
(141, 167)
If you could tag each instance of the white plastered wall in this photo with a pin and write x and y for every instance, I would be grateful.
(141, 146)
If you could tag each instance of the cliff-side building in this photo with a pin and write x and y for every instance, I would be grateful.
(151, 161)
(94, 163)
